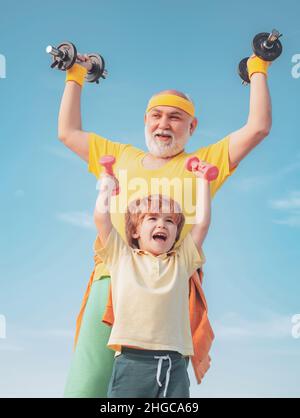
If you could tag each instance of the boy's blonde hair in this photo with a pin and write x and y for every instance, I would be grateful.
(152, 204)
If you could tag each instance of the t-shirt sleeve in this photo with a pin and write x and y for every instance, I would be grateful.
(189, 254)
(100, 146)
(217, 154)
(112, 250)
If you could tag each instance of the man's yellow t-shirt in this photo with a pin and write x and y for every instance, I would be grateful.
(135, 181)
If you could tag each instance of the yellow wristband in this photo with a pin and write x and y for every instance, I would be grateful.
(257, 65)
(76, 73)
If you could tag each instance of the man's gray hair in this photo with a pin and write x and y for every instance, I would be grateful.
(189, 98)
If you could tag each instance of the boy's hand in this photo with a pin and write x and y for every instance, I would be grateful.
(198, 169)
(84, 61)
(108, 183)
(201, 168)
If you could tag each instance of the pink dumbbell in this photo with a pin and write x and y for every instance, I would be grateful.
(209, 171)
(107, 162)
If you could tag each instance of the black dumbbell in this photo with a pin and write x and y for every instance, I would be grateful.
(266, 46)
(65, 55)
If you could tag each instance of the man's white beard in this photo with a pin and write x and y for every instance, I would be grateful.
(165, 149)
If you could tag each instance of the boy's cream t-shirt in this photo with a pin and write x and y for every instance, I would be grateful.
(151, 294)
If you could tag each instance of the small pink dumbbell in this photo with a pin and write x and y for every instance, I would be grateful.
(209, 171)
(107, 162)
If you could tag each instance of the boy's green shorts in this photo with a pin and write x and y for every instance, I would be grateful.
(149, 374)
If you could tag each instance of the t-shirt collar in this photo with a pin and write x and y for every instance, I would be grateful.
(162, 256)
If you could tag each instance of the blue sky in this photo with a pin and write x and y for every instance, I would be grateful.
(252, 250)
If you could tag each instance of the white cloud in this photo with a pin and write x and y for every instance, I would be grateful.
(271, 325)
(249, 183)
(253, 182)
(293, 221)
(291, 202)
(62, 153)
(10, 347)
(295, 165)
(48, 333)
(81, 219)
(290, 207)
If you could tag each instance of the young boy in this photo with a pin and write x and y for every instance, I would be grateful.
(150, 290)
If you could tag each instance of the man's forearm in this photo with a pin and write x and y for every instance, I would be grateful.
(69, 118)
(260, 112)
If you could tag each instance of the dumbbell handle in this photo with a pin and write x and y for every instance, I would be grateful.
(108, 169)
(63, 54)
(57, 52)
(54, 51)
(107, 162)
(210, 172)
(274, 35)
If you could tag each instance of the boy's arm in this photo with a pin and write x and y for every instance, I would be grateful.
(258, 126)
(102, 216)
(203, 211)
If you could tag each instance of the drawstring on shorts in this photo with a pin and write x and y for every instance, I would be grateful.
(161, 358)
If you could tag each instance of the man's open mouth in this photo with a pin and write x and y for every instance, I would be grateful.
(163, 136)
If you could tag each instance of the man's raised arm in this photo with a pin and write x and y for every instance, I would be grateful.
(259, 121)
(69, 120)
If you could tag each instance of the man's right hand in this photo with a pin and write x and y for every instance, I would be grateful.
(85, 61)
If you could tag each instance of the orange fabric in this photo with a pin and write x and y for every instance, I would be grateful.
(82, 309)
(202, 332)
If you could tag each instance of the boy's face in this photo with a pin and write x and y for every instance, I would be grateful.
(156, 233)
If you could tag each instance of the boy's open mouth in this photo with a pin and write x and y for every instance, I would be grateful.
(159, 237)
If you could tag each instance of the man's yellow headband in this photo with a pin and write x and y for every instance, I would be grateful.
(171, 100)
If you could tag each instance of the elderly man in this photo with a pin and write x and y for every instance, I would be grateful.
(169, 122)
